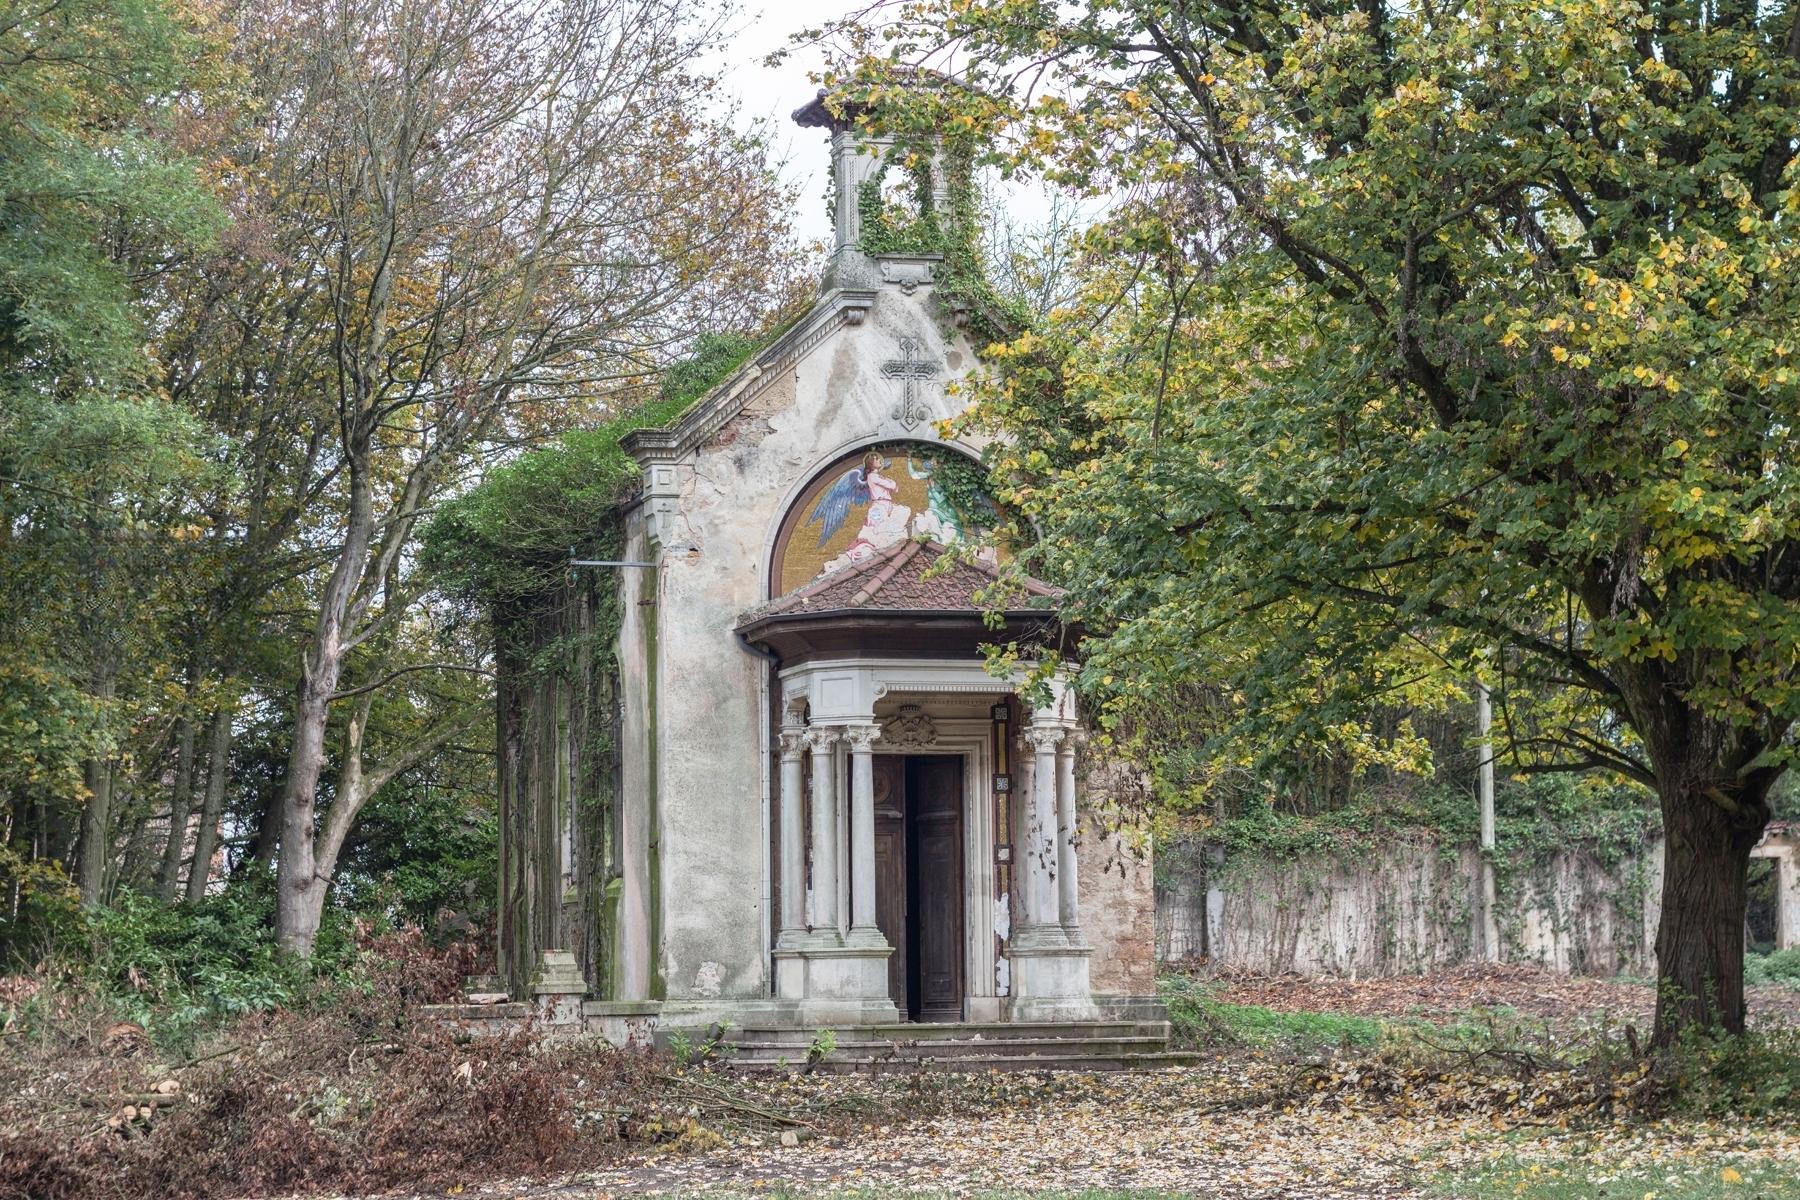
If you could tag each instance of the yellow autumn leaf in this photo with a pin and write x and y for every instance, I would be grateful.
(1730, 1175)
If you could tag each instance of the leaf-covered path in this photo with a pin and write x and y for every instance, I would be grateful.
(1230, 1130)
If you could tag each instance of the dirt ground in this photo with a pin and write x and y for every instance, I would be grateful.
(1233, 1128)
(1529, 991)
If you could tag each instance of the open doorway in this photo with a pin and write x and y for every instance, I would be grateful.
(1764, 894)
(919, 876)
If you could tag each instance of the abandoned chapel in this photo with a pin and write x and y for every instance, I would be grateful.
(830, 812)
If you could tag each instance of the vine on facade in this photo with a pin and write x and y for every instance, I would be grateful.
(951, 230)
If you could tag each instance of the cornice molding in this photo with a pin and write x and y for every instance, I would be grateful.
(734, 393)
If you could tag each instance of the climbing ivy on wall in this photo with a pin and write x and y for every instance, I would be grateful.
(953, 231)
(504, 547)
(1540, 823)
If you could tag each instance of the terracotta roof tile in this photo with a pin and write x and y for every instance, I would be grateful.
(900, 579)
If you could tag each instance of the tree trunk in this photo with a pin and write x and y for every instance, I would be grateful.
(93, 849)
(299, 892)
(299, 889)
(96, 833)
(218, 772)
(180, 801)
(1700, 940)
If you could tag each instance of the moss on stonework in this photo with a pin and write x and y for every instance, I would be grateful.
(504, 547)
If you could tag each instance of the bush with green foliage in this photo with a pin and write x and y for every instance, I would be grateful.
(177, 968)
(423, 855)
(1780, 967)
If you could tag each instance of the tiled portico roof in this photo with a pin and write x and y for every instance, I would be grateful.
(900, 579)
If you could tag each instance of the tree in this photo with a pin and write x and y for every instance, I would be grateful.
(94, 200)
(485, 218)
(1493, 369)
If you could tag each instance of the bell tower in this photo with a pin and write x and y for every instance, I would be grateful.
(858, 157)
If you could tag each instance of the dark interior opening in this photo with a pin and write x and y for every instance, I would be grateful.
(919, 882)
(1759, 912)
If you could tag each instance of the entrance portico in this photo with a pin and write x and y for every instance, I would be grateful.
(853, 706)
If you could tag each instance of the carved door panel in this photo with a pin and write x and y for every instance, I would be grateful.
(890, 868)
(935, 804)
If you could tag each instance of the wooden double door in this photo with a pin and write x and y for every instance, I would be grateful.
(919, 881)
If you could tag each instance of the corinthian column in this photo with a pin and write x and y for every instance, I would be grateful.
(863, 929)
(793, 836)
(1037, 883)
(825, 917)
(1068, 896)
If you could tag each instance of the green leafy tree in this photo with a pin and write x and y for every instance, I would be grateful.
(94, 201)
(1421, 341)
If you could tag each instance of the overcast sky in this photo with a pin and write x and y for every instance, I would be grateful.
(775, 92)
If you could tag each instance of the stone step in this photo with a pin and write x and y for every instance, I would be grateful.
(963, 1047)
(923, 1031)
(841, 1064)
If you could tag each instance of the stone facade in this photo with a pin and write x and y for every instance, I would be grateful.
(748, 766)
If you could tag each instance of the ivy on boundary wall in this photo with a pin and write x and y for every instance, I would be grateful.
(1573, 861)
(504, 547)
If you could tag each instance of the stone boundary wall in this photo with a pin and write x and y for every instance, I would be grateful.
(1407, 907)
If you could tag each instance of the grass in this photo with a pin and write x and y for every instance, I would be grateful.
(782, 1192)
(1712, 1177)
(1199, 1019)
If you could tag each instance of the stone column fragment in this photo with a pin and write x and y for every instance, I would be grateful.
(825, 918)
(793, 835)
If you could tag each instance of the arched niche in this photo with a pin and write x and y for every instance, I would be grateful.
(875, 497)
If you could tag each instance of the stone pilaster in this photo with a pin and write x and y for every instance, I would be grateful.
(793, 837)
(863, 930)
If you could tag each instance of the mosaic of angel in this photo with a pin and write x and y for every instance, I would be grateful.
(870, 491)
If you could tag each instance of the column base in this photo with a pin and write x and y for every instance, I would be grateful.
(1040, 937)
(837, 984)
(1050, 983)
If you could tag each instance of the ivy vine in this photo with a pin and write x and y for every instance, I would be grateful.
(953, 233)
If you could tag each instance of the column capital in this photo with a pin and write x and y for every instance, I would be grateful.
(793, 741)
(861, 737)
(821, 738)
(1044, 737)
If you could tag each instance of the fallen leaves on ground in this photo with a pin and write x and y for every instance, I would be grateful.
(1528, 990)
(1241, 1127)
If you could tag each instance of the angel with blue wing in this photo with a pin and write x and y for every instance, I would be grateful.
(864, 487)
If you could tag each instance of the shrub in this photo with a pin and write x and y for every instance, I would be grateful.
(1780, 967)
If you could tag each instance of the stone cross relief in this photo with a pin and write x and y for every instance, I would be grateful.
(910, 368)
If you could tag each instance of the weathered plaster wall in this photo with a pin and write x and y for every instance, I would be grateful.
(711, 777)
(1408, 907)
(637, 810)
(1118, 909)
